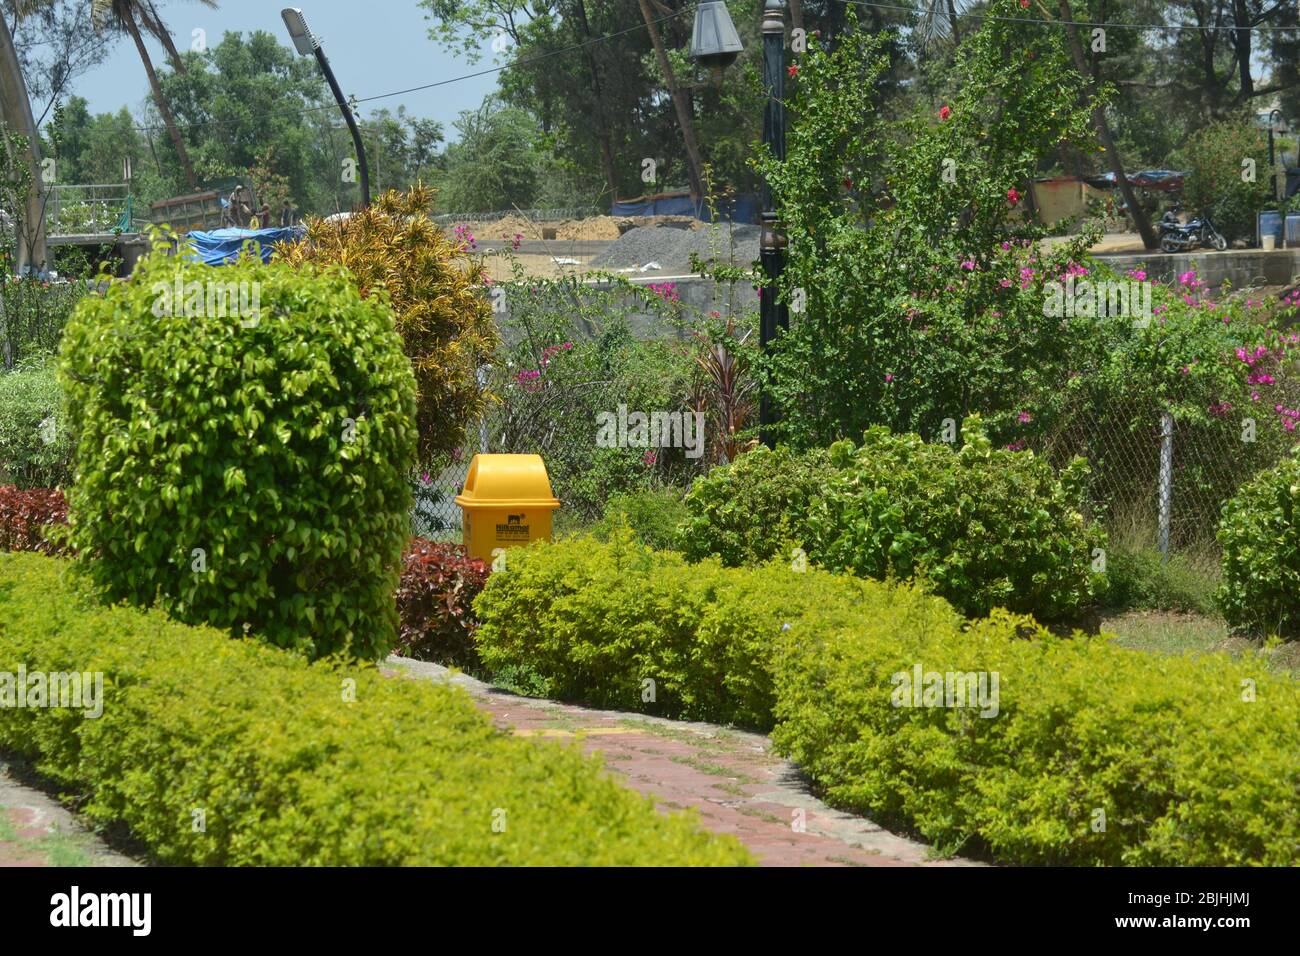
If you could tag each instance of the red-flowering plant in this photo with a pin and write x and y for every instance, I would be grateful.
(435, 603)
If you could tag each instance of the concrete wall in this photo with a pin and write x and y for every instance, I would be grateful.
(1241, 267)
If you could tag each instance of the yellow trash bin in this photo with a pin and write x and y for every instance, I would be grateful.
(506, 501)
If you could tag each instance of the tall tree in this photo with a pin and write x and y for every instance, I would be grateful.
(130, 15)
(16, 112)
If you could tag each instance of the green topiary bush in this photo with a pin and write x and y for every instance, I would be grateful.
(1086, 753)
(245, 471)
(35, 447)
(1260, 537)
(984, 528)
(298, 764)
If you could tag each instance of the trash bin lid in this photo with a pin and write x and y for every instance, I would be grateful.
(507, 481)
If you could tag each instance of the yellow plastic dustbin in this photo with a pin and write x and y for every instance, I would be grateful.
(506, 501)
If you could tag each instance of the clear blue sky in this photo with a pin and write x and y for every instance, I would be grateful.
(375, 47)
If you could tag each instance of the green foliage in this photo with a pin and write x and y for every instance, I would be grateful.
(1213, 158)
(494, 164)
(1139, 578)
(1260, 536)
(752, 509)
(984, 528)
(246, 471)
(33, 313)
(1185, 768)
(595, 621)
(35, 445)
(905, 240)
(653, 515)
(299, 764)
(436, 291)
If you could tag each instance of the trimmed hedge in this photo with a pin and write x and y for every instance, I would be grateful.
(983, 527)
(285, 771)
(1260, 536)
(1097, 754)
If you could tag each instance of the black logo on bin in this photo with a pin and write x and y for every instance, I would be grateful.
(514, 529)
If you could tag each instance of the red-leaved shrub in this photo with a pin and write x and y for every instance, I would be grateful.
(26, 514)
(435, 603)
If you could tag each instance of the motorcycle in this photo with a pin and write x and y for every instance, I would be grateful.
(1178, 236)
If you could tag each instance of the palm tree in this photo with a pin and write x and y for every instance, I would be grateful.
(130, 16)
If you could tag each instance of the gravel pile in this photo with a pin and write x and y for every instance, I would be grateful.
(733, 243)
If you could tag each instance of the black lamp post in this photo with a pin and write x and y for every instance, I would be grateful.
(306, 43)
(1272, 164)
(714, 44)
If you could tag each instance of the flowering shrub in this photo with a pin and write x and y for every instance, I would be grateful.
(1260, 535)
(26, 517)
(435, 603)
(923, 297)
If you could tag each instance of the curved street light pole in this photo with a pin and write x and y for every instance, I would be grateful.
(306, 43)
(773, 314)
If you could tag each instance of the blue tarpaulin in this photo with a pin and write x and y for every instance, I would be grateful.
(225, 245)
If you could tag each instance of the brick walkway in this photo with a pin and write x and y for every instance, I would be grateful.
(732, 778)
(36, 831)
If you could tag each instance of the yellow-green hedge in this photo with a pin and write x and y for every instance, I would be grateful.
(1097, 754)
(261, 748)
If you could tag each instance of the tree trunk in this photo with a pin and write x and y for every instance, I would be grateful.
(602, 125)
(695, 164)
(168, 120)
(1143, 222)
(16, 112)
(1241, 16)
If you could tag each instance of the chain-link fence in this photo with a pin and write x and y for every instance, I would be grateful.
(1161, 481)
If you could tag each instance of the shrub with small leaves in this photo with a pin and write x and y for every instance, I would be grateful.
(27, 517)
(245, 471)
(1260, 536)
(435, 603)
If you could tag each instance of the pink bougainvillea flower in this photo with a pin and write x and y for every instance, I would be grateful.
(889, 376)
(944, 112)
(650, 457)
(1005, 283)
(1024, 418)
(968, 265)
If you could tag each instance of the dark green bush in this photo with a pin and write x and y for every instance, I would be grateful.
(35, 448)
(247, 471)
(751, 509)
(1260, 536)
(984, 528)
(298, 764)
(1095, 755)
(1139, 578)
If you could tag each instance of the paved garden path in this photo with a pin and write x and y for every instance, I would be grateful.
(731, 777)
(35, 830)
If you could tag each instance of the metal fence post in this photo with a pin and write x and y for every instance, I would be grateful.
(482, 422)
(1166, 479)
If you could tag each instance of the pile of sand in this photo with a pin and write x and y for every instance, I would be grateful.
(600, 228)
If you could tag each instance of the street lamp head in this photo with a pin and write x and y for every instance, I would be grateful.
(304, 40)
(714, 41)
